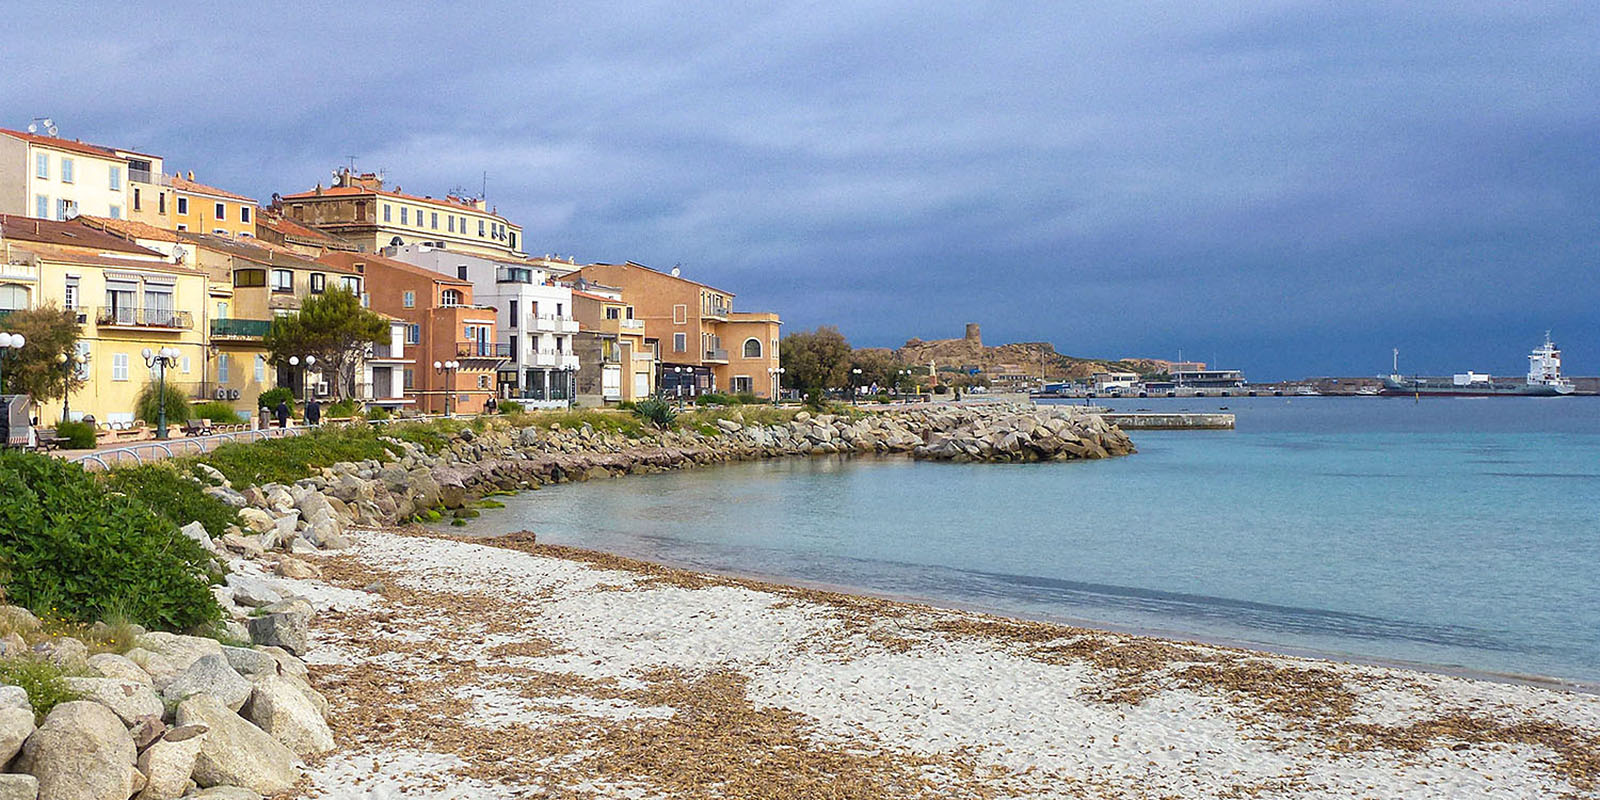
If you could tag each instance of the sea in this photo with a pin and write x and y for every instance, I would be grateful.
(1460, 534)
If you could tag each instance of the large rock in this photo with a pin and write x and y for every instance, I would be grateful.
(160, 668)
(286, 630)
(295, 568)
(168, 763)
(210, 675)
(19, 787)
(81, 752)
(16, 725)
(129, 700)
(111, 665)
(226, 793)
(15, 697)
(252, 591)
(279, 707)
(256, 520)
(197, 532)
(65, 652)
(250, 663)
(236, 753)
(18, 619)
(180, 650)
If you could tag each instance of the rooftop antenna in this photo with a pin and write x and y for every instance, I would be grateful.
(352, 163)
(47, 123)
(483, 194)
(1397, 361)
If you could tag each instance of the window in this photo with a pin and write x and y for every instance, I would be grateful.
(413, 334)
(222, 368)
(161, 202)
(513, 313)
(409, 299)
(66, 170)
(244, 214)
(435, 220)
(182, 227)
(119, 366)
(220, 211)
(83, 360)
(450, 297)
(222, 310)
(680, 314)
(261, 367)
(245, 278)
(41, 206)
(350, 283)
(70, 295)
(483, 381)
(752, 348)
(612, 312)
(282, 280)
(450, 223)
(185, 365)
(405, 216)
(13, 297)
(319, 282)
(408, 377)
(115, 212)
(513, 240)
(461, 272)
(183, 205)
(135, 198)
(480, 227)
(386, 209)
(41, 166)
(66, 209)
(116, 179)
(680, 342)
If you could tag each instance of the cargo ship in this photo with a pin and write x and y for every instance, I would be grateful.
(1544, 379)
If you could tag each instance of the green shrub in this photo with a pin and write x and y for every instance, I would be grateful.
(79, 435)
(656, 411)
(746, 399)
(291, 458)
(712, 399)
(180, 500)
(510, 407)
(378, 412)
(71, 549)
(217, 411)
(625, 405)
(272, 397)
(42, 680)
(342, 409)
(148, 406)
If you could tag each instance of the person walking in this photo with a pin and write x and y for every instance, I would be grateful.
(283, 413)
(313, 412)
(489, 406)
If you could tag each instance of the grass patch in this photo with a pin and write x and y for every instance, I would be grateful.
(174, 496)
(602, 420)
(291, 458)
(42, 681)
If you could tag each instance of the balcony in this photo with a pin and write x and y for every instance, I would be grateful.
(386, 350)
(483, 350)
(550, 323)
(716, 312)
(143, 318)
(554, 359)
(633, 327)
(146, 176)
(716, 355)
(241, 329)
(19, 272)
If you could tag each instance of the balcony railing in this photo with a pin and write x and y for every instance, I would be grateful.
(716, 312)
(483, 350)
(631, 324)
(130, 317)
(716, 354)
(386, 350)
(550, 323)
(146, 176)
(240, 328)
(555, 359)
(19, 271)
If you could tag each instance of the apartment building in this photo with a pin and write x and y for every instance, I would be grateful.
(199, 208)
(46, 177)
(693, 326)
(615, 363)
(535, 318)
(362, 210)
(443, 326)
(275, 228)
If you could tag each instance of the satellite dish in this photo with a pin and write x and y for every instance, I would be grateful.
(179, 254)
(676, 272)
(33, 127)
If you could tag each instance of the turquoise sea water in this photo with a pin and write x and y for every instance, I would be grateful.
(1451, 532)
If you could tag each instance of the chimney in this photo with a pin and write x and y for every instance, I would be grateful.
(191, 174)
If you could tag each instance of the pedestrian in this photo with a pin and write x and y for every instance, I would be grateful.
(490, 405)
(283, 413)
(313, 412)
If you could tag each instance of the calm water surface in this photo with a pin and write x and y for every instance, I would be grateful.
(1452, 532)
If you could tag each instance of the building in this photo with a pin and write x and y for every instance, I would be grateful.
(199, 208)
(274, 228)
(46, 177)
(615, 364)
(443, 325)
(383, 371)
(360, 210)
(701, 344)
(1114, 381)
(534, 315)
(128, 298)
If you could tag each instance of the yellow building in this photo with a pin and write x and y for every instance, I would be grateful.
(361, 210)
(615, 364)
(47, 177)
(199, 208)
(128, 298)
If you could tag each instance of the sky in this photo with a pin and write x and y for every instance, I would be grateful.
(1290, 188)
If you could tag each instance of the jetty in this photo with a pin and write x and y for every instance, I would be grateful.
(1147, 421)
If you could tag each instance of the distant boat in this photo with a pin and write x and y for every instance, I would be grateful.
(1369, 391)
(1544, 379)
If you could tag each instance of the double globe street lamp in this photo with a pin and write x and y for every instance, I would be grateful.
(447, 369)
(776, 374)
(305, 386)
(159, 360)
(8, 341)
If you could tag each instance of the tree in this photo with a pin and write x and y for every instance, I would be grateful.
(877, 365)
(815, 360)
(50, 332)
(333, 327)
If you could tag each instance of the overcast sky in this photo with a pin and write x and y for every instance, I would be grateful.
(1290, 188)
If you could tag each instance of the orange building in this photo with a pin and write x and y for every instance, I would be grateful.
(701, 344)
(199, 208)
(443, 326)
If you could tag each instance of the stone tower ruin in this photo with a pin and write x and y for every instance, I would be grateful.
(974, 338)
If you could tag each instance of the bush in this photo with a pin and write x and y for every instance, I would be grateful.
(71, 549)
(79, 435)
(175, 497)
(746, 398)
(343, 409)
(272, 397)
(656, 411)
(712, 399)
(217, 411)
(378, 412)
(291, 458)
(510, 407)
(42, 681)
(148, 406)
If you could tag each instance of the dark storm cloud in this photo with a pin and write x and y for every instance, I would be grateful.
(1296, 186)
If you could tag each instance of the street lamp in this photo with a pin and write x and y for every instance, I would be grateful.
(777, 381)
(305, 384)
(68, 362)
(855, 375)
(9, 341)
(447, 369)
(159, 360)
(571, 385)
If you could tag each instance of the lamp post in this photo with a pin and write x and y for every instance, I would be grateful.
(8, 341)
(305, 384)
(447, 369)
(777, 381)
(855, 375)
(568, 374)
(68, 362)
(677, 383)
(159, 360)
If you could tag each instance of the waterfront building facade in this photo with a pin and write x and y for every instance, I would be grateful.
(535, 321)
(361, 210)
(444, 324)
(615, 363)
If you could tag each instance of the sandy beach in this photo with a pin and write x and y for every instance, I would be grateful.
(506, 668)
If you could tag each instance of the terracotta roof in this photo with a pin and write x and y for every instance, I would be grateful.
(64, 144)
(264, 253)
(65, 254)
(601, 298)
(579, 273)
(350, 260)
(130, 230)
(185, 185)
(294, 228)
(71, 233)
(357, 191)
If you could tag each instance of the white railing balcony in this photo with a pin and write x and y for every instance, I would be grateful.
(631, 324)
(24, 272)
(550, 323)
(569, 361)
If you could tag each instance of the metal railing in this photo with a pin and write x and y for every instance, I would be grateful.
(146, 176)
(386, 350)
(483, 350)
(716, 354)
(135, 317)
(240, 328)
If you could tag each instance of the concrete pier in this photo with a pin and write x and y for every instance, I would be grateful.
(1169, 422)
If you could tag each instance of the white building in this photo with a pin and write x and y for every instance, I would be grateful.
(46, 177)
(385, 368)
(534, 320)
